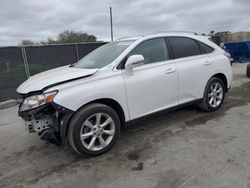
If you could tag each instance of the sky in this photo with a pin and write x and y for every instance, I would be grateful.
(37, 20)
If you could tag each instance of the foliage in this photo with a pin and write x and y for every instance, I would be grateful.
(217, 37)
(62, 38)
(28, 43)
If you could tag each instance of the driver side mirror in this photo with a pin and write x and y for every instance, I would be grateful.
(133, 61)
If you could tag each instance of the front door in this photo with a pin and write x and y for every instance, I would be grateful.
(153, 86)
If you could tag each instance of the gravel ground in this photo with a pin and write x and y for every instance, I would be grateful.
(185, 148)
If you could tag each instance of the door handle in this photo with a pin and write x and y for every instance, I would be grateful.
(207, 63)
(170, 70)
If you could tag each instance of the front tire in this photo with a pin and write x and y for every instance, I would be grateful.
(214, 95)
(93, 129)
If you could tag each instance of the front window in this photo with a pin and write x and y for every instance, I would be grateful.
(103, 55)
(153, 50)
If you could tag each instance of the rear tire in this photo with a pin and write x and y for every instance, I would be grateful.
(248, 70)
(93, 129)
(214, 95)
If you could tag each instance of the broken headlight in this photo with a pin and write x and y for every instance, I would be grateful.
(37, 100)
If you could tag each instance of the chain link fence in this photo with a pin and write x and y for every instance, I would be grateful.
(18, 63)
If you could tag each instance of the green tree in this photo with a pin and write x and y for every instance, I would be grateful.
(63, 37)
(222, 33)
(27, 43)
(74, 37)
(218, 37)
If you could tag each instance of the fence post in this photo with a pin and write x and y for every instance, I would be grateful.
(77, 53)
(25, 62)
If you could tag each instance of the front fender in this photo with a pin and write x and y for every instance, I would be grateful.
(77, 94)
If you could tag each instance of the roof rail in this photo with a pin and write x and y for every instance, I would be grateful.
(159, 32)
(129, 37)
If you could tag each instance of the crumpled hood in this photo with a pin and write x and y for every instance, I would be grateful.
(53, 77)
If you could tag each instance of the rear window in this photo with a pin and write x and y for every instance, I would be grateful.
(183, 47)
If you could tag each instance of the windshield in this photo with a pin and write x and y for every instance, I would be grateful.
(103, 55)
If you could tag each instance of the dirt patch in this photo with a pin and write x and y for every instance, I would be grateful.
(238, 96)
(133, 156)
(170, 178)
(138, 167)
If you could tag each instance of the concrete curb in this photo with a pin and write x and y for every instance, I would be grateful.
(8, 103)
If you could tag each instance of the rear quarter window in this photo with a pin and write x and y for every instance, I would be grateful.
(183, 47)
(205, 49)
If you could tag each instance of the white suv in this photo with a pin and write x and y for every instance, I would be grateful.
(88, 102)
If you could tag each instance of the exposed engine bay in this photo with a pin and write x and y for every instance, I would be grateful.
(49, 121)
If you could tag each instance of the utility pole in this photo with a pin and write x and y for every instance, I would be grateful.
(111, 23)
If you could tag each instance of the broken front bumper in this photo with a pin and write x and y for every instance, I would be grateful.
(38, 125)
(49, 122)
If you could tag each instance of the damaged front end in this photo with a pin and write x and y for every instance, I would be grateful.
(44, 117)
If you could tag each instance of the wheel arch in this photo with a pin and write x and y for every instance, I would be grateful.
(223, 78)
(112, 104)
(107, 101)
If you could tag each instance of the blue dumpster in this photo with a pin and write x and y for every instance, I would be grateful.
(239, 51)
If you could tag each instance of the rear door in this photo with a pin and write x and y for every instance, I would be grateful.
(194, 67)
(152, 86)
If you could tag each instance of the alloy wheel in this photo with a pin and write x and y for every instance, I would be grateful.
(215, 94)
(97, 131)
